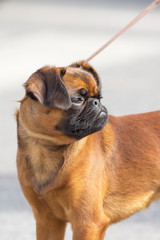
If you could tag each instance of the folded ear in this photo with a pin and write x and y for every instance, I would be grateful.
(87, 67)
(47, 87)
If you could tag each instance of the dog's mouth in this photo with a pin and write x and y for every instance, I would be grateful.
(79, 125)
(84, 127)
(79, 130)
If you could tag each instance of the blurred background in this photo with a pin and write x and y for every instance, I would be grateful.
(35, 33)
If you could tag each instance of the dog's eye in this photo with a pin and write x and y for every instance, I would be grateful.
(77, 100)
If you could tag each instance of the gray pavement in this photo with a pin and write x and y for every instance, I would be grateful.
(35, 33)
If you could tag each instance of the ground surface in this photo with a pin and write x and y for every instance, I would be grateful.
(35, 33)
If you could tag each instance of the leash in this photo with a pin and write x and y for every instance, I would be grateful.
(133, 22)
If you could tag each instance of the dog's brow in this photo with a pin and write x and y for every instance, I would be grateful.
(98, 95)
(89, 79)
(85, 75)
(83, 79)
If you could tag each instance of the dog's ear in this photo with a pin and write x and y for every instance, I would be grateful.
(87, 67)
(47, 87)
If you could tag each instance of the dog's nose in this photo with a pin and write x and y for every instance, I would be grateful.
(96, 102)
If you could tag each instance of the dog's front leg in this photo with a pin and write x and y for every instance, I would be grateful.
(89, 228)
(51, 230)
(89, 232)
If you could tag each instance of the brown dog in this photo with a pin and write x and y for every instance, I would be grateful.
(77, 165)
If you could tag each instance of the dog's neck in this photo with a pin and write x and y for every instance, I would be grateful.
(42, 156)
(46, 160)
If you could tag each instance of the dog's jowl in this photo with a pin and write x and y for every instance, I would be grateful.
(78, 164)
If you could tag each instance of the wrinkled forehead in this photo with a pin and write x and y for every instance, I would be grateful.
(76, 78)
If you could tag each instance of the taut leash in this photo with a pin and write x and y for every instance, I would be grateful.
(133, 22)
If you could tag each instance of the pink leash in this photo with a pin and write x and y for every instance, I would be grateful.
(133, 22)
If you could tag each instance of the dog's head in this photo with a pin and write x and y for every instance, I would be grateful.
(64, 102)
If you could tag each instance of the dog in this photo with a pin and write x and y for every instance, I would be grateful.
(78, 164)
